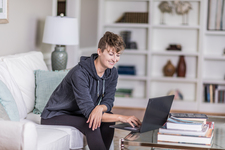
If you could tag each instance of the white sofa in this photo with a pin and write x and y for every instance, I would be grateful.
(17, 73)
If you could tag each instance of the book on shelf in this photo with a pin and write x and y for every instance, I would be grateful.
(133, 17)
(212, 14)
(219, 14)
(223, 16)
(211, 93)
(122, 92)
(190, 116)
(220, 94)
(189, 139)
(179, 124)
(126, 70)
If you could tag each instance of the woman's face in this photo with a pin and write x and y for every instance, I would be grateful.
(108, 58)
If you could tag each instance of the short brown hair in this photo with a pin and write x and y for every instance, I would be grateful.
(111, 40)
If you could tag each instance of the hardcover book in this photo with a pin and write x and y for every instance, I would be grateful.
(190, 116)
(179, 124)
(185, 132)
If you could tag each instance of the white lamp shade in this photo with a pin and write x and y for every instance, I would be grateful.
(61, 31)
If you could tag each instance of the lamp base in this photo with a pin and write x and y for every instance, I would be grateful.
(59, 58)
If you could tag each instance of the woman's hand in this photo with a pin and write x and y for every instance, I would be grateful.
(130, 119)
(95, 117)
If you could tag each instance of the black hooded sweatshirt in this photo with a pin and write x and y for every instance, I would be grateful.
(81, 90)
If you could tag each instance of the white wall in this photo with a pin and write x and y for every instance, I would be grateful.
(73, 10)
(88, 27)
(26, 24)
(25, 28)
(89, 20)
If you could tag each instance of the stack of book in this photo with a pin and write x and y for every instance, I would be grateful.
(194, 132)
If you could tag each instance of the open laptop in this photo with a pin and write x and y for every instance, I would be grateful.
(156, 115)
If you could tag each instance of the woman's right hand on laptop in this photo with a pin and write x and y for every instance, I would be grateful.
(132, 120)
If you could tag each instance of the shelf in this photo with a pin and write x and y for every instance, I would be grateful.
(214, 81)
(133, 102)
(215, 32)
(175, 53)
(132, 77)
(131, 0)
(214, 57)
(128, 25)
(135, 52)
(212, 107)
(175, 79)
(179, 0)
(176, 26)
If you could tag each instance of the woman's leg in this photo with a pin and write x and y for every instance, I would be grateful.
(94, 138)
(107, 133)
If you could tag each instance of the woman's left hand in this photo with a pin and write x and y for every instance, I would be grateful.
(95, 117)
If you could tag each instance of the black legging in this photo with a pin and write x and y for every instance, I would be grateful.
(99, 139)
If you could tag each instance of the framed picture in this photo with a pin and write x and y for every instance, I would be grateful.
(4, 11)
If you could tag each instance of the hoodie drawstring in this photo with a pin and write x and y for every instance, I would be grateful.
(103, 91)
(98, 89)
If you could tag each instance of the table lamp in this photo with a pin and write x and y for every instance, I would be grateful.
(61, 31)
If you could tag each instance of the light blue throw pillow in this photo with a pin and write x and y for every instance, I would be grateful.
(45, 83)
(8, 102)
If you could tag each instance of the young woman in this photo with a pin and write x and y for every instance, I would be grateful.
(85, 97)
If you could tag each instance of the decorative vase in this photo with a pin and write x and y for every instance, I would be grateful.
(181, 67)
(169, 69)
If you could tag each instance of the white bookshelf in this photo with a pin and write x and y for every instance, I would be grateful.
(176, 26)
(213, 61)
(202, 50)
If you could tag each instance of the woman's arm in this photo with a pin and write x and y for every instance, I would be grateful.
(106, 117)
(95, 116)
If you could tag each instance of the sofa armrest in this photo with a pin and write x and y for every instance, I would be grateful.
(18, 135)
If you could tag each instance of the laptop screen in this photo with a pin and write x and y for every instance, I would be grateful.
(156, 113)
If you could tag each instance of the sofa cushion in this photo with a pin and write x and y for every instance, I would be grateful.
(52, 139)
(8, 102)
(21, 67)
(9, 81)
(45, 83)
(76, 137)
(17, 136)
(3, 113)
